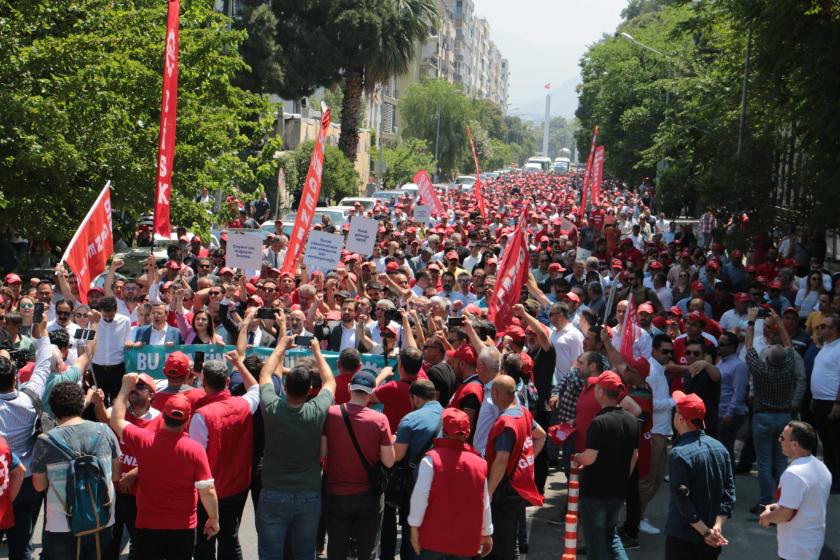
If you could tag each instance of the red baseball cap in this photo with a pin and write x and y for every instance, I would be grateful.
(455, 422)
(12, 278)
(177, 365)
(742, 296)
(790, 310)
(641, 365)
(615, 263)
(148, 381)
(571, 296)
(655, 265)
(556, 267)
(452, 255)
(608, 380)
(697, 285)
(515, 333)
(173, 265)
(736, 254)
(713, 265)
(645, 308)
(696, 316)
(775, 285)
(690, 407)
(226, 270)
(465, 353)
(178, 407)
(392, 267)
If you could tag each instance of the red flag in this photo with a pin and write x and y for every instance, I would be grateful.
(427, 191)
(479, 197)
(92, 245)
(547, 86)
(586, 176)
(629, 330)
(511, 276)
(597, 173)
(168, 108)
(309, 197)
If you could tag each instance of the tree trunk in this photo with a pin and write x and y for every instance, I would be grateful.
(348, 142)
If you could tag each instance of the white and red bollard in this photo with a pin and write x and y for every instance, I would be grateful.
(570, 539)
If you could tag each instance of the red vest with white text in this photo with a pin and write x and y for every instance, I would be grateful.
(7, 515)
(520, 467)
(453, 519)
(466, 389)
(127, 459)
(230, 441)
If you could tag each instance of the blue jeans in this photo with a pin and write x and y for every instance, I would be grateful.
(598, 519)
(767, 427)
(292, 513)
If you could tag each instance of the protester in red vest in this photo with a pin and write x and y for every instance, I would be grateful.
(223, 425)
(11, 478)
(177, 371)
(174, 469)
(451, 491)
(514, 440)
(141, 414)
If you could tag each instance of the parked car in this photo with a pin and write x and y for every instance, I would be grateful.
(367, 202)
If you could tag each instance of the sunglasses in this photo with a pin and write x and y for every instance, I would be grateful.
(215, 292)
(27, 305)
(667, 351)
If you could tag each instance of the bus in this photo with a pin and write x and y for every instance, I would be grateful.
(543, 161)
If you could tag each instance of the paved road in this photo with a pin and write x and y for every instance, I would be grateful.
(745, 536)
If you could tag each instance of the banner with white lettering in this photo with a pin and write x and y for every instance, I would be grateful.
(597, 174)
(362, 235)
(309, 197)
(512, 275)
(479, 196)
(168, 110)
(427, 192)
(93, 243)
(323, 251)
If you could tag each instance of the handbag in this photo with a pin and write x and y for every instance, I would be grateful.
(378, 475)
(401, 483)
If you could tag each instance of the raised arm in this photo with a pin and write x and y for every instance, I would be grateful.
(408, 334)
(116, 264)
(83, 361)
(61, 278)
(531, 321)
(274, 361)
(327, 379)
(120, 404)
(242, 338)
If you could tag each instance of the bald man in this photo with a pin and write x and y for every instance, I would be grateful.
(514, 440)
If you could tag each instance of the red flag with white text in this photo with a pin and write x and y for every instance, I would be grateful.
(309, 196)
(479, 196)
(168, 110)
(427, 191)
(597, 174)
(93, 243)
(587, 176)
(512, 275)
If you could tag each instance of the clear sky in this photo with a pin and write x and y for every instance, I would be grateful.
(544, 40)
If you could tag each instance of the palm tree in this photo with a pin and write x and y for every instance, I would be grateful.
(405, 28)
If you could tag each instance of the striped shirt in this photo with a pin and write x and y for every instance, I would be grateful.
(17, 411)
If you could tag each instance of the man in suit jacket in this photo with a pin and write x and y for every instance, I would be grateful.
(256, 335)
(340, 334)
(159, 332)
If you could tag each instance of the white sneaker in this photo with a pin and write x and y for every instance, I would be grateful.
(648, 529)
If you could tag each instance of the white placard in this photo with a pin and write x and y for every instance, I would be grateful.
(323, 251)
(423, 214)
(582, 254)
(362, 235)
(244, 250)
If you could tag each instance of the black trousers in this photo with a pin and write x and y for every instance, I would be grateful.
(633, 505)
(506, 513)
(161, 544)
(230, 515)
(680, 549)
(543, 418)
(125, 514)
(356, 516)
(829, 432)
(109, 379)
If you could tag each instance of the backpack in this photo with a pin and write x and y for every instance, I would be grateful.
(87, 489)
(44, 422)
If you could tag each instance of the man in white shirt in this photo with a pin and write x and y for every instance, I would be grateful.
(113, 332)
(566, 339)
(663, 352)
(825, 388)
(804, 489)
(735, 319)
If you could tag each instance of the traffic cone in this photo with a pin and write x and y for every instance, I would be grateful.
(570, 537)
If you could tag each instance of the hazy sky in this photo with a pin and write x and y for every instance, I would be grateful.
(544, 40)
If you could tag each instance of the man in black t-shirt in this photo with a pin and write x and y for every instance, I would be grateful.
(612, 443)
(703, 379)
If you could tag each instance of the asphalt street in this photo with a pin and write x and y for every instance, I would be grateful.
(746, 538)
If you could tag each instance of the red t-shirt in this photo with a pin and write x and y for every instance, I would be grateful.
(395, 399)
(171, 464)
(587, 409)
(342, 388)
(127, 459)
(346, 474)
(193, 393)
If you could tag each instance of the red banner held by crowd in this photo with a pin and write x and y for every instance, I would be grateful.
(513, 273)
(629, 330)
(168, 112)
(427, 191)
(92, 245)
(479, 196)
(587, 175)
(597, 174)
(309, 197)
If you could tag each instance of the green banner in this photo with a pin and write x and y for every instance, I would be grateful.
(150, 359)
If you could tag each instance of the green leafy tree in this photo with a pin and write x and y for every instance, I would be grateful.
(522, 139)
(339, 178)
(419, 110)
(490, 116)
(80, 104)
(404, 160)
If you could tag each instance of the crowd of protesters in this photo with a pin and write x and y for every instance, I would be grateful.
(640, 350)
